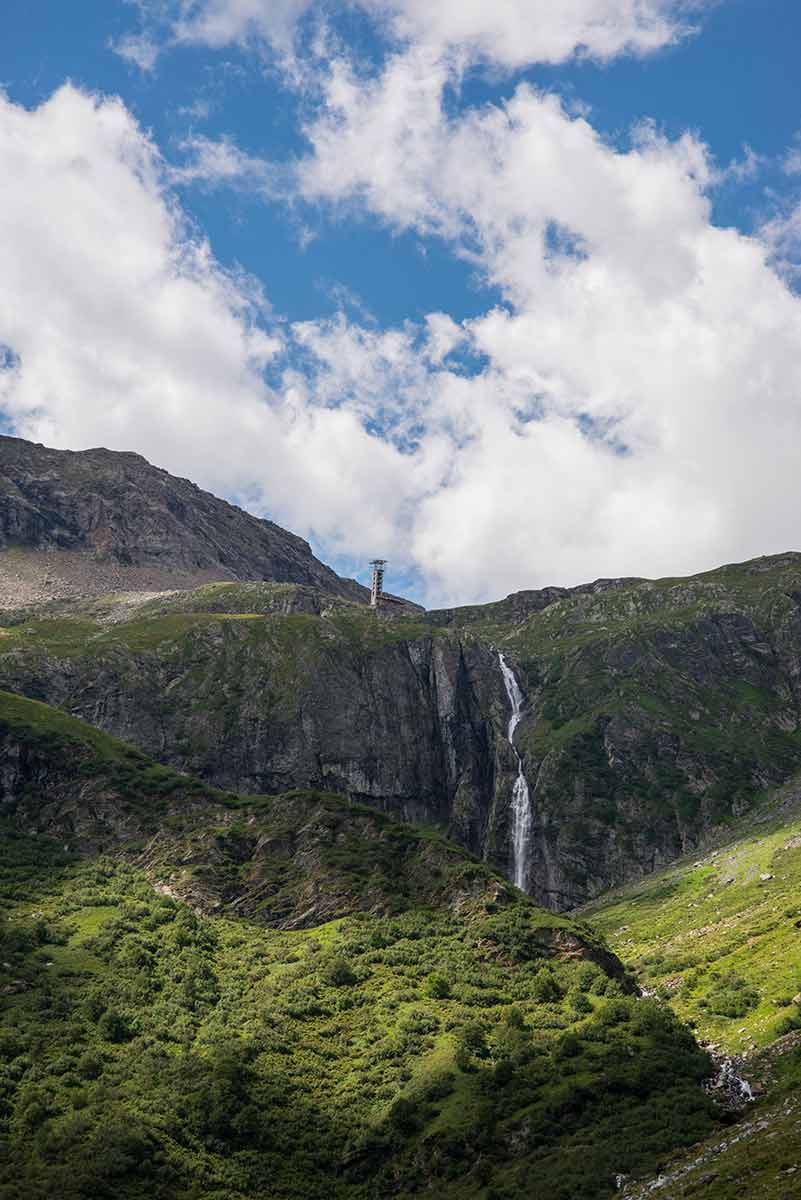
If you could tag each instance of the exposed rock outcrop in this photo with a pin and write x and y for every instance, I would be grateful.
(653, 713)
(93, 521)
(291, 861)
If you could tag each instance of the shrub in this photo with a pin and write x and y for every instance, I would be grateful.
(113, 1027)
(568, 1046)
(89, 1065)
(787, 1024)
(544, 988)
(338, 973)
(579, 1001)
(437, 987)
(732, 996)
(403, 1116)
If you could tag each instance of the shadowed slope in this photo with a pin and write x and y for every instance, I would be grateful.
(447, 1037)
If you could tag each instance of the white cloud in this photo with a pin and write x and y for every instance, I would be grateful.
(121, 330)
(220, 162)
(641, 403)
(638, 404)
(513, 33)
(781, 234)
(509, 33)
(140, 49)
(792, 159)
(218, 23)
(740, 170)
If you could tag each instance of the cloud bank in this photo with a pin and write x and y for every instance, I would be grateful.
(510, 33)
(120, 329)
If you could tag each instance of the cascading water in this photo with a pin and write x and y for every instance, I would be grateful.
(521, 803)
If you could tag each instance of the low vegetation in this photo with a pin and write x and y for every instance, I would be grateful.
(718, 937)
(445, 1035)
(149, 1052)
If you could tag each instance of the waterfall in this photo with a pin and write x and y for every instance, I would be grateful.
(727, 1082)
(521, 803)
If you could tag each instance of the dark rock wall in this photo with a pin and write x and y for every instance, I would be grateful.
(635, 748)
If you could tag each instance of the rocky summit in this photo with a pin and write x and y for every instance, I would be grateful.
(259, 844)
(93, 521)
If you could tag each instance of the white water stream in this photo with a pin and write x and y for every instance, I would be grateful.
(521, 803)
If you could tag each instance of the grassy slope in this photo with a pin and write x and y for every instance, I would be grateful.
(758, 1157)
(720, 933)
(150, 1052)
(715, 935)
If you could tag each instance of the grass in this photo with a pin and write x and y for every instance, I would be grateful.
(758, 1156)
(693, 933)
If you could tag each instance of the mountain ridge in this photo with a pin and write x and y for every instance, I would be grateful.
(85, 522)
(654, 710)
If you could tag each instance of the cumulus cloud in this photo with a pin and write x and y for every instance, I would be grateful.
(510, 33)
(513, 33)
(118, 328)
(639, 403)
(632, 406)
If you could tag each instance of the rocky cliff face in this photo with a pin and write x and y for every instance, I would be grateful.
(84, 523)
(654, 713)
(410, 724)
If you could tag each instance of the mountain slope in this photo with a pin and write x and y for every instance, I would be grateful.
(448, 1037)
(719, 937)
(656, 713)
(758, 1157)
(94, 521)
(291, 861)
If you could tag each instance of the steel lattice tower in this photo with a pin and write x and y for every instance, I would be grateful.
(378, 565)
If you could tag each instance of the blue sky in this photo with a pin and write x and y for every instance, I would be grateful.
(43, 46)
(736, 83)
(488, 457)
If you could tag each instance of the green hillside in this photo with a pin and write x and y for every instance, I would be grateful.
(717, 939)
(449, 1038)
(265, 945)
(719, 936)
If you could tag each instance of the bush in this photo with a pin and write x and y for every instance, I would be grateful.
(419, 1021)
(89, 1065)
(437, 987)
(579, 1001)
(338, 973)
(568, 1046)
(113, 1027)
(471, 1042)
(787, 1024)
(403, 1116)
(545, 989)
(732, 996)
